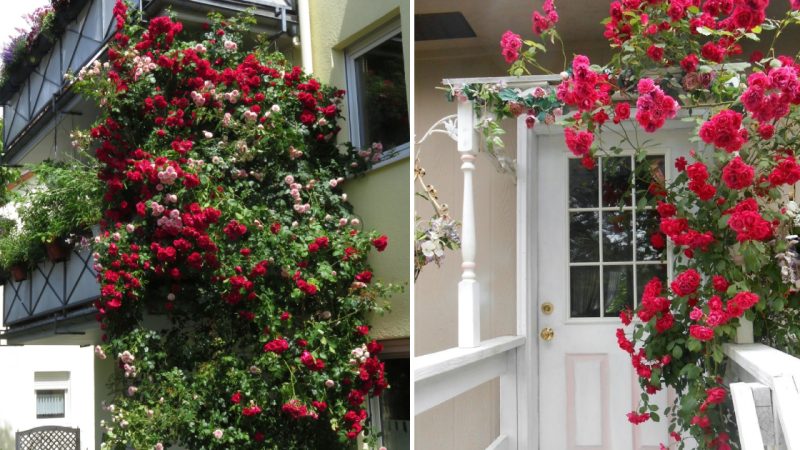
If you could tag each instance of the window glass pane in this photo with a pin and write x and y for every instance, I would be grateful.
(652, 178)
(647, 223)
(617, 236)
(381, 94)
(583, 241)
(395, 410)
(582, 185)
(584, 291)
(617, 181)
(49, 404)
(645, 273)
(617, 288)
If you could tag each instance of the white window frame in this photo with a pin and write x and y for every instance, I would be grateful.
(352, 53)
(53, 381)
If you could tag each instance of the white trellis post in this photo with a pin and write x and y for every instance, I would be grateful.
(469, 319)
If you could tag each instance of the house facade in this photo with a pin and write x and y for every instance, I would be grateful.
(48, 326)
(514, 334)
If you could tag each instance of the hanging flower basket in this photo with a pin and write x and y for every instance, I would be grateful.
(57, 250)
(19, 272)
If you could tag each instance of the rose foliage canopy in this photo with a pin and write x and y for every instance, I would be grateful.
(234, 281)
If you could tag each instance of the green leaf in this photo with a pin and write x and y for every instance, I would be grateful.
(705, 31)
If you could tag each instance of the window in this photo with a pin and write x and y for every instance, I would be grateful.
(611, 254)
(390, 414)
(50, 404)
(52, 394)
(377, 99)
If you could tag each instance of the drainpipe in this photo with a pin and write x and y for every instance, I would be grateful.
(305, 34)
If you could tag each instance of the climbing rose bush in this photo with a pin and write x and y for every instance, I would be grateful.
(234, 275)
(729, 214)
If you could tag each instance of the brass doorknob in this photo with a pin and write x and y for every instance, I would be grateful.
(547, 334)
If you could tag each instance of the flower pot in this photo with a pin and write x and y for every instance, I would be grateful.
(57, 250)
(19, 272)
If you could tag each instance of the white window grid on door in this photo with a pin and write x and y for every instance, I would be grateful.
(602, 209)
(360, 48)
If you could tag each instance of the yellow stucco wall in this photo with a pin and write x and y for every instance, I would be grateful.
(381, 197)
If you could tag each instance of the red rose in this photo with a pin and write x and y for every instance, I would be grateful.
(690, 63)
(701, 333)
(713, 52)
(686, 283)
(636, 419)
(250, 411)
(381, 243)
(655, 53)
(364, 277)
(719, 283)
(715, 395)
(657, 241)
(236, 397)
(680, 164)
(737, 174)
(665, 210)
(622, 111)
(579, 142)
(276, 346)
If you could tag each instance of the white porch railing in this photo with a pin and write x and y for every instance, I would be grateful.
(444, 375)
(765, 388)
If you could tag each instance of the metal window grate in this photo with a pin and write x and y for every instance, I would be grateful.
(49, 438)
(50, 404)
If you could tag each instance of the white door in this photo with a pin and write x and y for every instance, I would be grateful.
(594, 257)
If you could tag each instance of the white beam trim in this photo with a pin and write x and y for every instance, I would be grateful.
(763, 363)
(501, 443)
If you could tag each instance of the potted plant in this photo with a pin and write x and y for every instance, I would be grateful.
(63, 205)
(17, 253)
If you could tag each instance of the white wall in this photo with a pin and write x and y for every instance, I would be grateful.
(18, 364)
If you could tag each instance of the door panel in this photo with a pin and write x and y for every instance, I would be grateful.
(594, 257)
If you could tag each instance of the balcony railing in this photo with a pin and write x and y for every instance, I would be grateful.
(32, 98)
(765, 388)
(444, 375)
(51, 288)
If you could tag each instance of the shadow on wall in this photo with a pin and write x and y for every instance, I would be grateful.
(6, 437)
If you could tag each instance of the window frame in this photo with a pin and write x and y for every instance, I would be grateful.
(393, 349)
(52, 381)
(51, 391)
(666, 153)
(351, 53)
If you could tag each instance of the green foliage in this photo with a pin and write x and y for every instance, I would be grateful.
(234, 228)
(67, 199)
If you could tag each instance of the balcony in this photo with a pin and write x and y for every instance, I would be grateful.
(52, 289)
(37, 95)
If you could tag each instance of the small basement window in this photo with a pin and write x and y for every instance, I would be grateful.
(51, 404)
(52, 394)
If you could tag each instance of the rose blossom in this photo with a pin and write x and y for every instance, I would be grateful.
(218, 433)
(510, 44)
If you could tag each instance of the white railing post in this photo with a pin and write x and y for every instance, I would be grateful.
(469, 318)
(744, 334)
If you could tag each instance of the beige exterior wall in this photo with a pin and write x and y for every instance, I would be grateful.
(381, 197)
